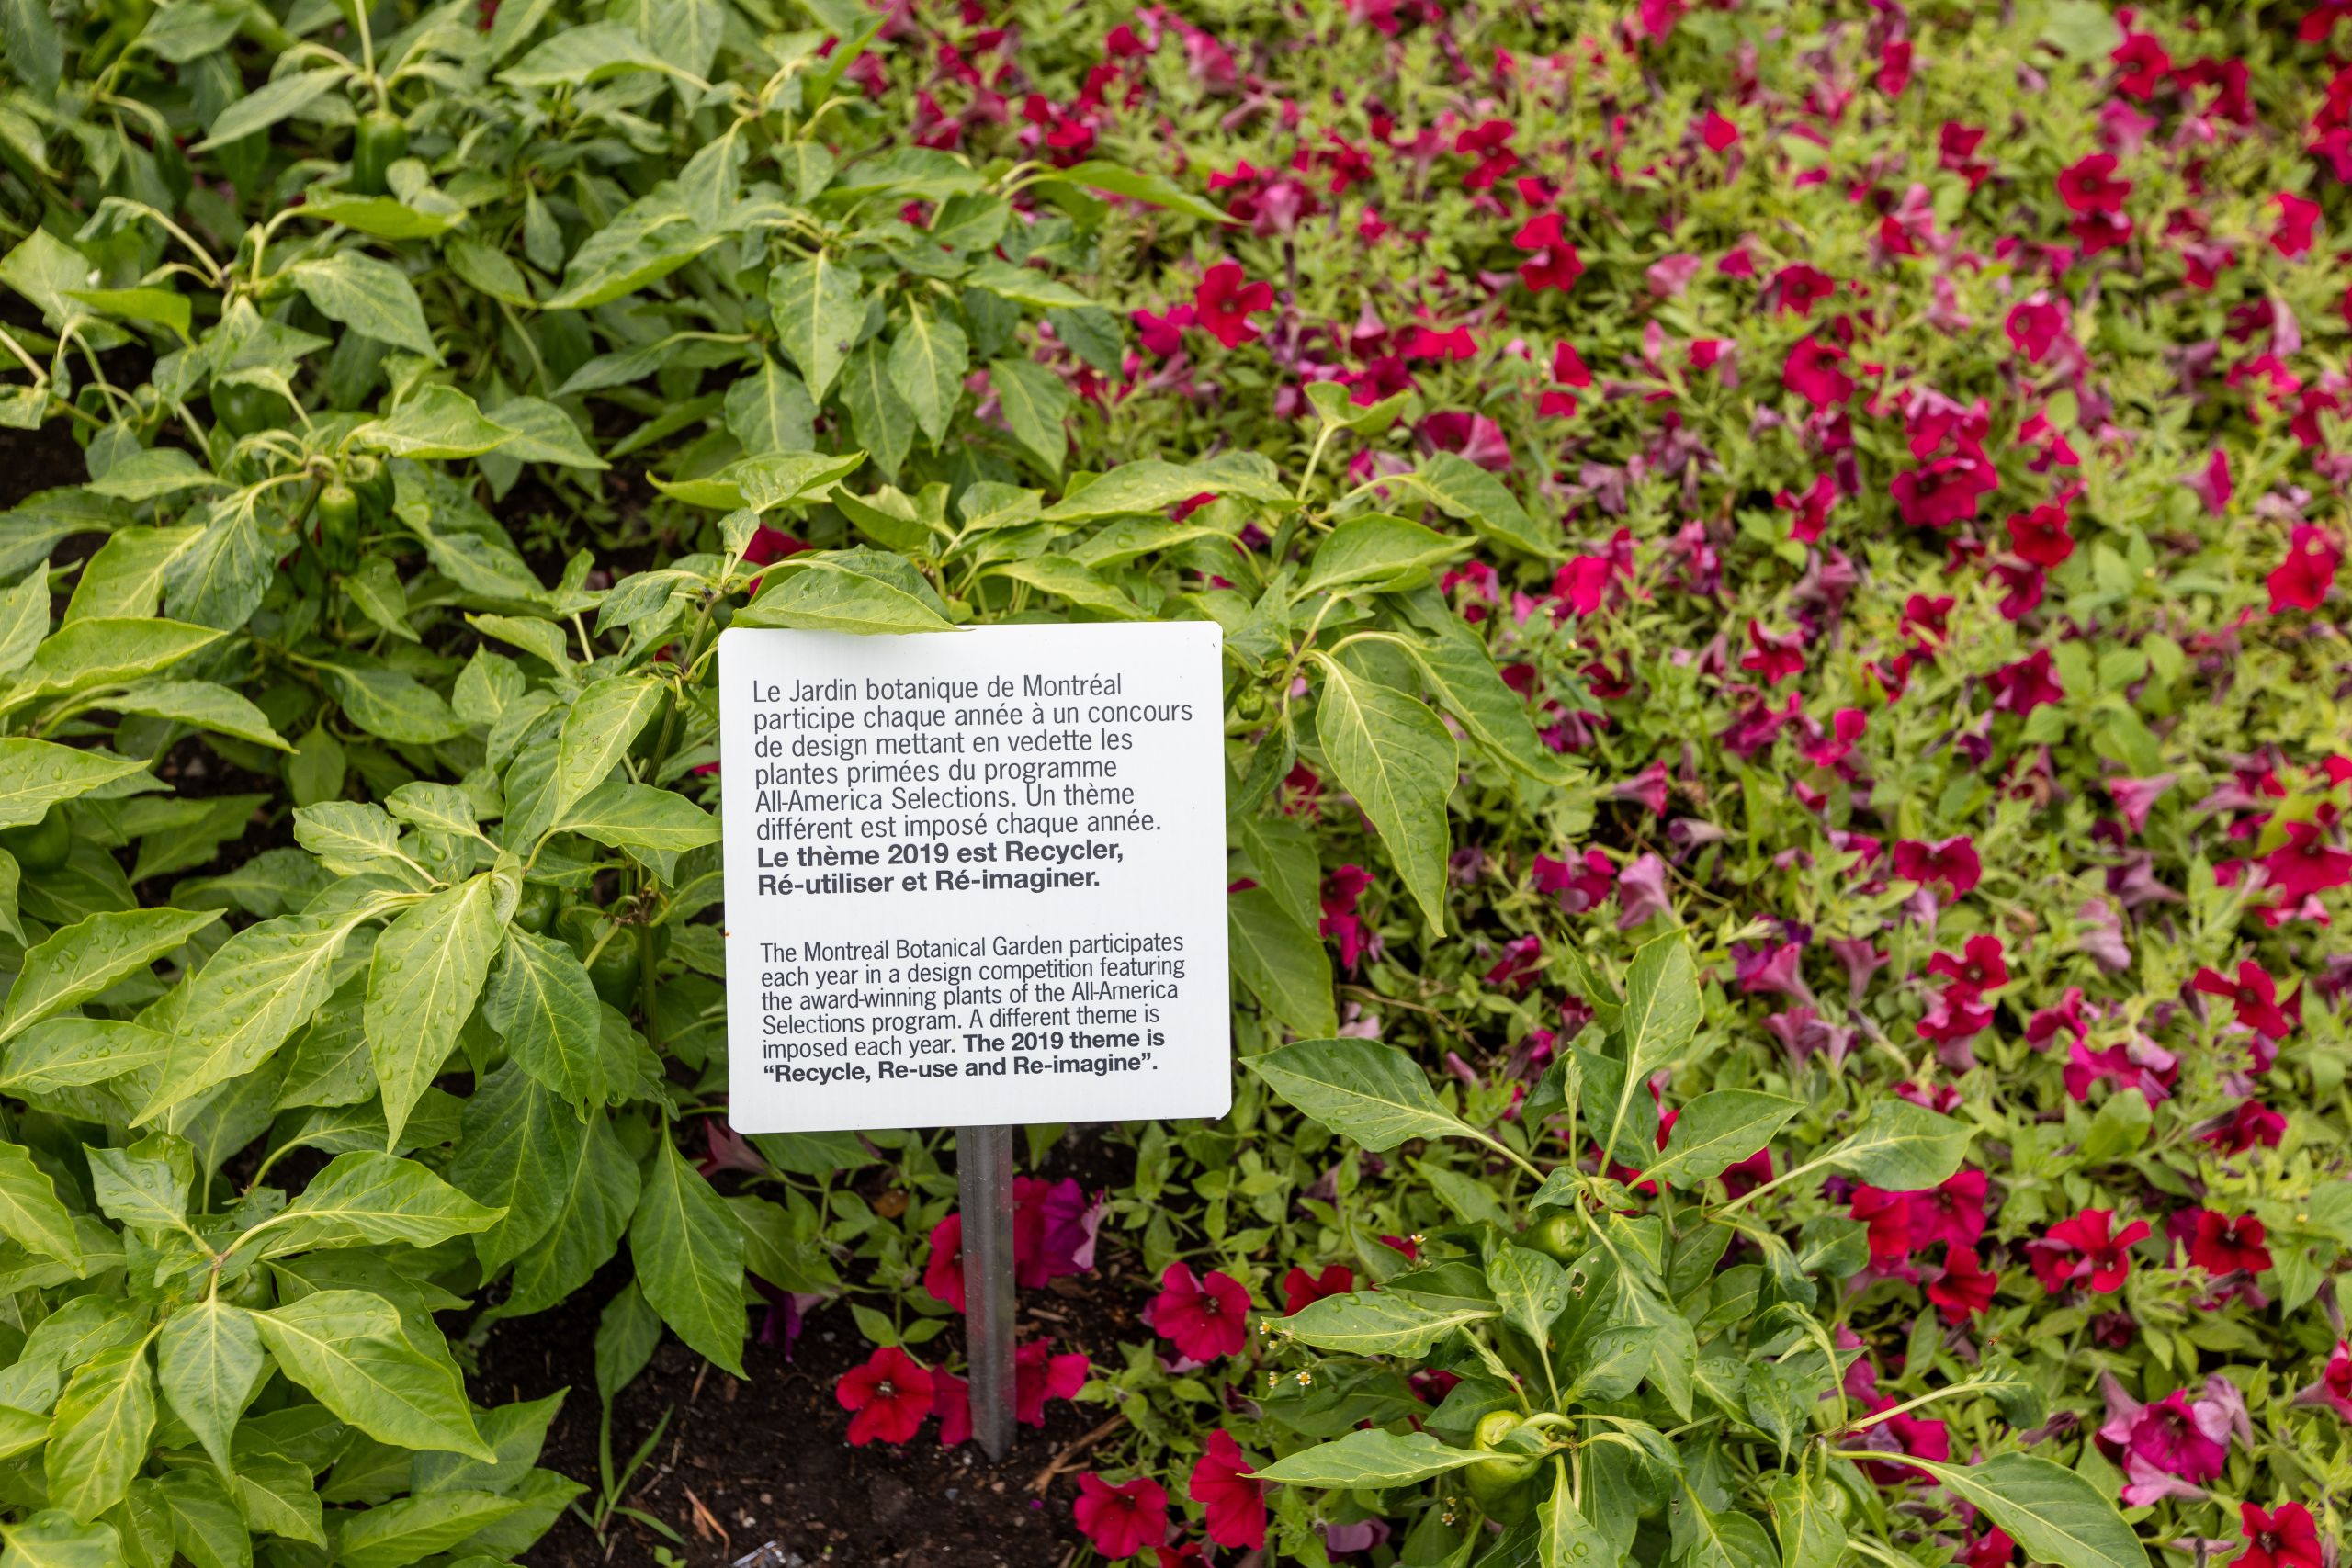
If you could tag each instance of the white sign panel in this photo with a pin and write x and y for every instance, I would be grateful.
(974, 878)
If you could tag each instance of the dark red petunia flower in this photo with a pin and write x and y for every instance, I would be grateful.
(889, 1395)
(2284, 1538)
(1122, 1520)
(1811, 373)
(1204, 1318)
(1966, 1289)
(2302, 579)
(1235, 1503)
(1981, 965)
(2220, 1244)
(2306, 863)
(1223, 301)
(2086, 1250)
(2089, 184)
(1952, 861)
(2042, 535)
(2253, 996)
(1302, 1289)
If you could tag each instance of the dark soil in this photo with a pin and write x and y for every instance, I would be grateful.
(768, 1459)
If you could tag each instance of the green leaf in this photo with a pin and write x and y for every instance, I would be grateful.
(541, 1002)
(1564, 1537)
(1384, 1323)
(600, 1193)
(1530, 1289)
(598, 732)
(1812, 1535)
(1462, 489)
(637, 816)
(1903, 1148)
(2058, 1517)
(54, 1538)
(1376, 551)
(263, 984)
(75, 964)
(108, 651)
(689, 1254)
(208, 1362)
(1462, 673)
(771, 411)
(36, 774)
(819, 312)
(879, 417)
(145, 1185)
(30, 1213)
(928, 356)
(365, 1199)
(1396, 759)
(1155, 190)
(436, 421)
(348, 1348)
(270, 103)
(827, 597)
(208, 1527)
(426, 974)
(1660, 1015)
(1717, 1131)
(98, 1440)
(1361, 1089)
(70, 1052)
(1369, 1460)
(1066, 579)
(389, 218)
(544, 433)
(576, 56)
(762, 483)
(395, 1534)
(517, 1147)
(1282, 962)
(370, 297)
(147, 476)
(1137, 488)
(1036, 408)
(200, 704)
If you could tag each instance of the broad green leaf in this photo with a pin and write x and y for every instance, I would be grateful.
(1151, 485)
(1462, 673)
(928, 356)
(30, 1213)
(762, 483)
(1036, 408)
(149, 475)
(208, 1362)
(350, 838)
(818, 311)
(75, 964)
(516, 1150)
(1360, 1088)
(365, 1199)
(1903, 1148)
(542, 1004)
(146, 1184)
(1376, 551)
(200, 704)
(1660, 1015)
(36, 774)
(270, 103)
(1282, 962)
(1282, 857)
(1530, 1288)
(600, 1193)
(771, 411)
(370, 297)
(348, 1348)
(1391, 754)
(1369, 1460)
(543, 433)
(576, 56)
(277, 1496)
(825, 597)
(125, 579)
(2058, 1517)
(108, 651)
(389, 218)
(1564, 1537)
(1717, 1131)
(208, 1527)
(436, 421)
(70, 1052)
(1070, 579)
(689, 1254)
(598, 732)
(1136, 185)
(54, 1538)
(23, 617)
(1382, 1323)
(879, 417)
(1462, 489)
(1812, 1535)
(628, 816)
(426, 974)
(395, 1534)
(263, 984)
(98, 1440)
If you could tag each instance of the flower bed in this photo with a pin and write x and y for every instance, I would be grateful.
(1786, 675)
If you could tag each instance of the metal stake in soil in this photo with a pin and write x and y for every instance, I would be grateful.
(984, 1184)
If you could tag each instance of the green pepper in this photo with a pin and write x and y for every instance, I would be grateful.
(1499, 1485)
(380, 142)
(338, 514)
(244, 409)
(1557, 1236)
(614, 970)
(537, 910)
(42, 846)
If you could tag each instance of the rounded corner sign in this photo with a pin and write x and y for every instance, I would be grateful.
(974, 878)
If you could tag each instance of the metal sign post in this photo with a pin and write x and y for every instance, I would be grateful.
(983, 1185)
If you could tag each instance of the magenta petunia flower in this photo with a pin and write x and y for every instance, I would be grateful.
(1204, 1318)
